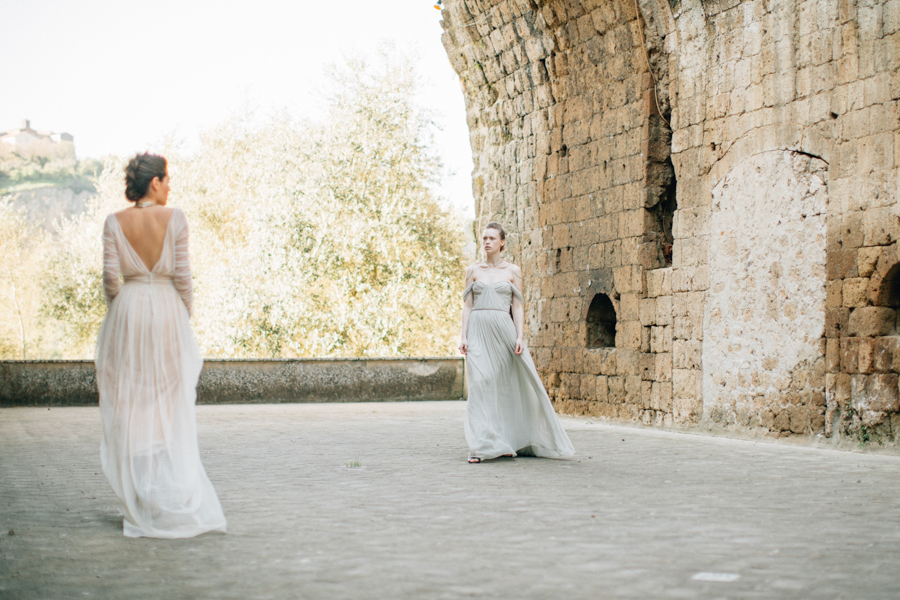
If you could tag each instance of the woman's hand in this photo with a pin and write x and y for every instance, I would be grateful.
(463, 346)
(520, 345)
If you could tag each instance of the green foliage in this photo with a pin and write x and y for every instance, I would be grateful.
(72, 281)
(22, 172)
(307, 239)
(22, 247)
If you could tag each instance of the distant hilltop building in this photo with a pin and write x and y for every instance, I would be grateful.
(24, 139)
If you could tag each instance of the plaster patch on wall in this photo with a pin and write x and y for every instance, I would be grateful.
(765, 310)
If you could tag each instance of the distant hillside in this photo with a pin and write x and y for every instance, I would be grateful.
(17, 173)
(47, 189)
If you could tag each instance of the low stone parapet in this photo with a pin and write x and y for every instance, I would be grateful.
(252, 381)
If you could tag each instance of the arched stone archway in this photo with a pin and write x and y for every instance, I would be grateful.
(573, 154)
(574, 137)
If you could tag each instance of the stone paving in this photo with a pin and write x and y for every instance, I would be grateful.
(636, 514)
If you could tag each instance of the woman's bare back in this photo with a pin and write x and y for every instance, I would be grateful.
(145, 229)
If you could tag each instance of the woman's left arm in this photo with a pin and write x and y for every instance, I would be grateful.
(184, 282)
(518, 311)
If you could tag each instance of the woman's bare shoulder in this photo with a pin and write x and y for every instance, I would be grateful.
(515, 269)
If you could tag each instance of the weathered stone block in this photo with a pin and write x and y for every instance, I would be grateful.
(682, 328)
(849, 355)
(883, 352)
(836, 322)
(865, 358)
(686, 410)
(833, 355)
(782, 420)
(663, 367)
(799, 419)
(852, 235)
(664, 389)
(624, 280)
(648, 312)
(867, 259)
(645, 339)
(841, 264)
(843, 390)
(834, 298)
(659, 282)
(646, 394)
(609, 366)
(878, 393)
(877, 226)
(628, 335)
(648, 366)
(661, 339)
(633, 389)
(628, 361)
(816, 398)
(854, 292)
(871, 321)
(588, 388)
(664, 310)
(767, 418)
(686, 354)
(686, 383)
(629, 307)
(593, 360)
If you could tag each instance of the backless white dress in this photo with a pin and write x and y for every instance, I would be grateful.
(148, 364)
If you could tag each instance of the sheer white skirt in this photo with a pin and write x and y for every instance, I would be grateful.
(148, 364)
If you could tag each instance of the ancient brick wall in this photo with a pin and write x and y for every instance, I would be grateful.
(702, 195)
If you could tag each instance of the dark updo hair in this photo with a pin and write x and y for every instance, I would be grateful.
(499, 228)
(140, 172)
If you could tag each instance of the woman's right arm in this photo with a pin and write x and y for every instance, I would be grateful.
(110, 263)
(467, 310)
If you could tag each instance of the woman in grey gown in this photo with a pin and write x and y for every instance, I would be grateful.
(508, 411)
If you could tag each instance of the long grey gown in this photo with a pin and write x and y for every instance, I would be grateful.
(508, 410)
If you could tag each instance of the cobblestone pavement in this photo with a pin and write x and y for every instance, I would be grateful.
(636, 514)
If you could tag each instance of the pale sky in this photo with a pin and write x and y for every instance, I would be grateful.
(120, 74)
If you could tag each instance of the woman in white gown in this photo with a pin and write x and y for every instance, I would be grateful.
(508, 411)
(148, 364)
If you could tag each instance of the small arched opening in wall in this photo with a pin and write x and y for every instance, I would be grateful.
(888, 292)
(601, 323)
(879, 317)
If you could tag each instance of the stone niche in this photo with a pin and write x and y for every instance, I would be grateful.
(702, 196)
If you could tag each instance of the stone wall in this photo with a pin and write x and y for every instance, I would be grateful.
(702, 195)
(225, 381)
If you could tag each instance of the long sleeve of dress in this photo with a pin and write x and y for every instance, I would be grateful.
(110, 262)
(184, 282)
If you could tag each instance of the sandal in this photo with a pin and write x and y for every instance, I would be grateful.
(474, 460)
